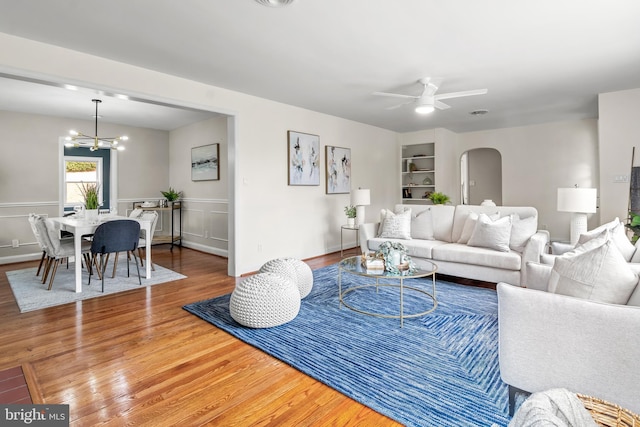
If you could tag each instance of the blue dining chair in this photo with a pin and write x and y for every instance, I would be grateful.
(113, 237)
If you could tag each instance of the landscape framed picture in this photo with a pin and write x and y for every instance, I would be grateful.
(338, 162)
(204, 163)
(303, 152)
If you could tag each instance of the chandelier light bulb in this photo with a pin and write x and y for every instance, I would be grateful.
(95, 142)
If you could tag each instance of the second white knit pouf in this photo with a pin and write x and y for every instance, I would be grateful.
(296, 269)
(264, 300)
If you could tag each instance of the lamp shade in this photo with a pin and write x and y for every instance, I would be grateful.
(361, 197)
(581, 200)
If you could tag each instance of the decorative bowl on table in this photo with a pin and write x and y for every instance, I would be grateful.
(149, 204)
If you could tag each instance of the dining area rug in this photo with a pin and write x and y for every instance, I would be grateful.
(440, 369)
(31, 294)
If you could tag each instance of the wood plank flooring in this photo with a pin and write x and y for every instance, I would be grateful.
(137, 358)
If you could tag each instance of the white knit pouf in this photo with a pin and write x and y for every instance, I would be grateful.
(297, 270)
(264, 300)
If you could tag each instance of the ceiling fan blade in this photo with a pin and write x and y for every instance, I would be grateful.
(461, 94)
(396, 95)
(440, 105)
(393, 107)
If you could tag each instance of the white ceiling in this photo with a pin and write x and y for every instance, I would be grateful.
(540, 60)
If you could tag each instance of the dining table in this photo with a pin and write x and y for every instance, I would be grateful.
(81, 226)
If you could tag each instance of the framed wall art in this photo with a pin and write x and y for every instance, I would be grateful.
(304, 158)
(338, 162)
(204, 163)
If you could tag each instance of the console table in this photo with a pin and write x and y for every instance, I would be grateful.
(175, 238)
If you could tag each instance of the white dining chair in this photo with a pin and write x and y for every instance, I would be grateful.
(57, 249)
(41, 242)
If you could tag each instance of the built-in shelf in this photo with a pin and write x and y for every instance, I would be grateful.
(418, 175)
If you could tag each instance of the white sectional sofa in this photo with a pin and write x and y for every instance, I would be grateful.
(443, 234)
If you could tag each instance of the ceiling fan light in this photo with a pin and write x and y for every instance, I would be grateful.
(425, 109)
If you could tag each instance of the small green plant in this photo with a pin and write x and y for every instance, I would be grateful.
(634, 226)
(90, 193)
(350, 211)
(439, 198)
(171, 194)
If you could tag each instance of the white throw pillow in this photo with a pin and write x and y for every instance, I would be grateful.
(397, 226)
(618, 236)
(491, 234)
(521, 231)
(599, 274)
(422, 225)
(467, 229)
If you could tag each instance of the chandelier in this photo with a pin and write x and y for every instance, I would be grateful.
(78, 139)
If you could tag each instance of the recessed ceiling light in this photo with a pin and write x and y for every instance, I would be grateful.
(275, 3)
(479, 112)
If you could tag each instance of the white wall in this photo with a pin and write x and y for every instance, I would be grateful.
(619, 127)
(537, 160)
(205, 204)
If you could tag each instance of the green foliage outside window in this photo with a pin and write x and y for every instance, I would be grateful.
(81, 166)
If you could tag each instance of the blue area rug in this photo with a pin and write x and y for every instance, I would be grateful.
(438, 370)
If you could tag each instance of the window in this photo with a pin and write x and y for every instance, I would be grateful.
(80, 170)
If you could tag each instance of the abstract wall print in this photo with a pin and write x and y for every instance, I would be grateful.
(304, 158)
(204, 163)
(338, 170)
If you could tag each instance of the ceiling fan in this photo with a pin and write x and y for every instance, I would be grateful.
(428, 100)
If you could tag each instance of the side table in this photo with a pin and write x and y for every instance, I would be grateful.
(350, 228)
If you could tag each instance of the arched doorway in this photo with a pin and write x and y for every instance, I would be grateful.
(481, 176)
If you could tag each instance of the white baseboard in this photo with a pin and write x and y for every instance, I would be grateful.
(20, 258)
(207, 249)
(36, 256)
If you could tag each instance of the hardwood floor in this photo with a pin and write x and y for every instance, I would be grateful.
(137, 358)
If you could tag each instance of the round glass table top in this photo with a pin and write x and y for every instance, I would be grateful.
(354, 265)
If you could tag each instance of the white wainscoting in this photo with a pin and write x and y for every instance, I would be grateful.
(14, 225)
(204, 223)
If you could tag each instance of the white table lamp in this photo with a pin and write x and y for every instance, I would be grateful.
(360, 198)
(580, 202)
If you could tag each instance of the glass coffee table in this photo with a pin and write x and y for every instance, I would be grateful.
(353, 265)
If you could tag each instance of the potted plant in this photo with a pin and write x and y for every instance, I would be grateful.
(350, 211)
(171, 194)
(634, 226)
(90, 194)
(439, 198)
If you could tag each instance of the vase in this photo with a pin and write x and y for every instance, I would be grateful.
(487, 202)
(91, 215)
(351, 222)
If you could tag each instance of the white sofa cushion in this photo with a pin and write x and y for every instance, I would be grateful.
(397, 225)
(459, 253)
(617, 234)
(422, 225)
(521, 231)
(599, 274)
(491, 234)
